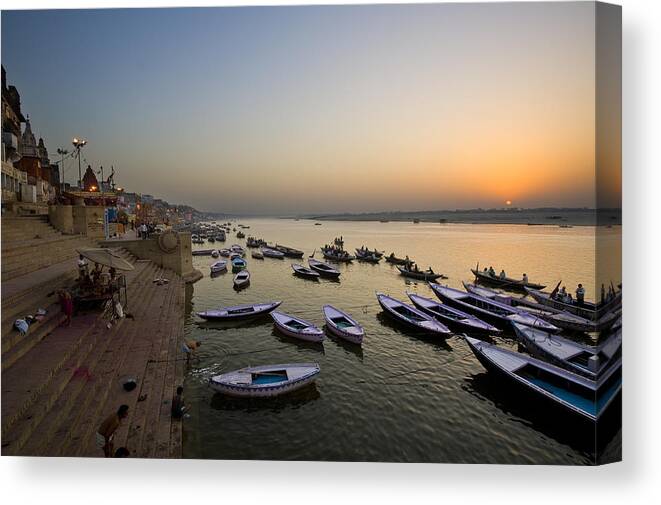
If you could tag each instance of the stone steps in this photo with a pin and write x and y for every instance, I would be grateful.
(89, 334)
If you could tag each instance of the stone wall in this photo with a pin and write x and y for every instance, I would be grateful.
(78, 219)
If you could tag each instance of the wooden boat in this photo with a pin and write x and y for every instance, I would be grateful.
(587, 310)
(397, 261)
(211, 239)
(242, 280)
(451, 316)
(240, 235)
(588, 361)
(218, 266)
(220, 237)
(290, 252)
(296, 327)
(239, 311)
(265, 381)
(343, 325)
(272, 253)
(238, 249)
(505, 282)
(224, 252)
(368, 257)
(215, 253)
(234, 255)
(368, 252)
(489, 310)
(257, 255)
(411, 316)
(576, 394)
(238, 264)
(202, 252)
(425, 275)
(306, 273)
(324, 269)
(344, 257)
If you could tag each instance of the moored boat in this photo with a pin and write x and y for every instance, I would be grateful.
(238, 263)
(242, 279)
(265, 381)
(586, 310)
(257, 255)
(490, 310)
(202, 252)
(343, 325)
(324, 269)
(304, 272)
(411, 316)
(579, 395)
(272, 253)
(290, 252)
(296, 327)
(422, 275)
(224, 252)
(451, 316)
(238, 249)
(239, 311)
(218, 266)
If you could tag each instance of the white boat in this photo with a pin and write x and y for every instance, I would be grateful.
(296, 327)
(239, 311)
(324, 269)
(218, 266)
(451, 316)
(225, 252)
(257, 255)
(242, 279)
(411, 316)
(272, 253)
(236, 248)
(215, 253)
(265, 381)
(343, 325)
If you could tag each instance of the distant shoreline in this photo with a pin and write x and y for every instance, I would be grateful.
(531, 217)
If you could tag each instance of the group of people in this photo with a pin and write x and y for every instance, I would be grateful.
(105, 434)
(502, 275)
(145, 230)
(338, 252)
(94, 280)
(563, 296)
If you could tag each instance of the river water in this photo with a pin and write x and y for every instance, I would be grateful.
(369, 403)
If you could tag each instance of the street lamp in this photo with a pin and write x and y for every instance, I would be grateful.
(63, 153)
(77, 144)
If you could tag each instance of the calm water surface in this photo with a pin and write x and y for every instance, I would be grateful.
(401, 396)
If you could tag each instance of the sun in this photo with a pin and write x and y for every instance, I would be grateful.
(508, 202)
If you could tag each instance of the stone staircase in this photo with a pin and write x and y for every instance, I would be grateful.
(30, 243)
(57, 391)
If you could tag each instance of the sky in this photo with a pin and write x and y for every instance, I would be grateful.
(295, 110)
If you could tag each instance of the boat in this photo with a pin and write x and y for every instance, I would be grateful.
(238, 264)
(237, 248)
(339, 256)
(218, 266)
(304, 272)
(585, 360)
(343, 325)
(576, 394)
(452, 317)
(324, 269)
(587, 310)
(220, 237)
(234, 255)
(242, 279)
(224, 252)
(211, 239)
(257, 255)
(239, 311)
(504, 282)
(368, 257)
(202, 252)
(290, 252)
(499, 314)
(240, 235)
(365, 251)
(317, 224)
(215, 253)
(265, 381)
(296, 327)
(411, 316)
(255, 242)
(398, 261)
(426, 275)
(272, 253)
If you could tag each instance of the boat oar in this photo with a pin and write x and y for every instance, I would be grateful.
(312, 255)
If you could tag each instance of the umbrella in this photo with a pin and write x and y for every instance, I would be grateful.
(106, 257)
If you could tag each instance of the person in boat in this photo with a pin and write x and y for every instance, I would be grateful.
(525, 278)
(580, 295)
(502, 274)
(416, 268)
(431, 271)
(492, 272)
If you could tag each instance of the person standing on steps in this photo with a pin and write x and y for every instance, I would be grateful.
(178, 406)
(106, 432)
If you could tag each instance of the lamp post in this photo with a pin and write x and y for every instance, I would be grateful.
(77, 144)
(63, 153)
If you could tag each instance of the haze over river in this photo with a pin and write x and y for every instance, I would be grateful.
(401, 396)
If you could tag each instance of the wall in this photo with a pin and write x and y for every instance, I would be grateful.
(78, 219)
(61, 218)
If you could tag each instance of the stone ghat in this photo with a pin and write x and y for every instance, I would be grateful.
(56, 394)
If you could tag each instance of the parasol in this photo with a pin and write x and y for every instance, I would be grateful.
(106, 257)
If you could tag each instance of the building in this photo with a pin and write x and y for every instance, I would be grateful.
(13, 178)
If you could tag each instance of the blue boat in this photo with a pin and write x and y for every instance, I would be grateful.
(239, 264)
(578, 395)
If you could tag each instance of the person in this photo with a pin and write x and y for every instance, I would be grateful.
(525, 278)
(190, 348)
(502, 274)
(178, 406)
(562, 294)
(492, 272)
(122, 452)
(431, 271)
(580, 294)
(66, 305)
(82, 267)
(106, 432)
